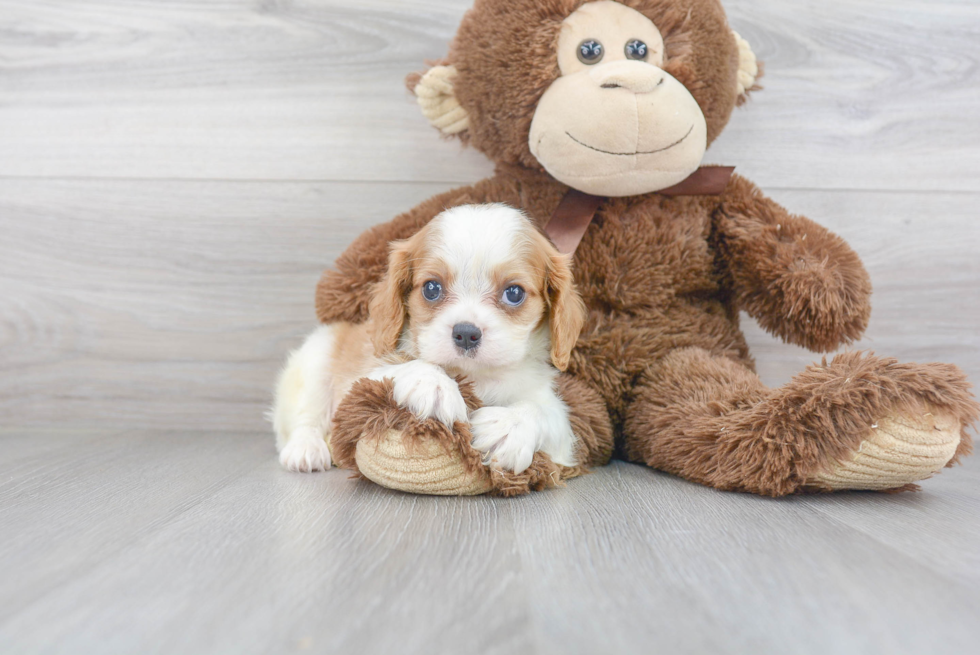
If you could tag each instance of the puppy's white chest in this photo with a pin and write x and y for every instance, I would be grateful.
(512, 385)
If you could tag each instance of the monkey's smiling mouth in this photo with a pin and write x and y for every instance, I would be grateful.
(630, 154)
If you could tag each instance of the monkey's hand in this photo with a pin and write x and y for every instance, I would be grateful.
(802, 283)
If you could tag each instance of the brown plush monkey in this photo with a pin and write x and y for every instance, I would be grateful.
(620, 100)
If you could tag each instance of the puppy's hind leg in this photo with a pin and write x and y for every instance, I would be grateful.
(301, 415)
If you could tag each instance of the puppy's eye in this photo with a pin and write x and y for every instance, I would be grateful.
(590, 52)
(514, 295)
(636, 49)
(432, 291)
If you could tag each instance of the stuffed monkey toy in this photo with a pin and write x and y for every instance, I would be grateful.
(597, 115)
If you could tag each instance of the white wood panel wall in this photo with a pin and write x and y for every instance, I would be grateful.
(174, 176)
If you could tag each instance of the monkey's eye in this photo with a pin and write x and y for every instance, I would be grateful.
(432, 291)
(636, 49)
(514, 295)
(590, 52)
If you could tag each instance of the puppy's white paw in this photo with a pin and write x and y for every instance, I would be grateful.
(305, 453)
(506, 436)
(425, 390)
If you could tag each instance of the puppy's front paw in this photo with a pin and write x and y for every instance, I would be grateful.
(425, 390)
(305, 454)
(506, 436)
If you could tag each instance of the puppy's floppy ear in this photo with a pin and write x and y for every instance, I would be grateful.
(567, 311)
(387, 309)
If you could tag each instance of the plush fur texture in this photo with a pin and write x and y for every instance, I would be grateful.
(662, 276)
(661, 363)
(712, 421)
(370, 411)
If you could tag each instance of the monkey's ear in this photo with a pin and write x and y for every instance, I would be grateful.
(749, 69)
(437, 99)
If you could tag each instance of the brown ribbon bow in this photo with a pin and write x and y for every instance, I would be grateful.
(576, 210)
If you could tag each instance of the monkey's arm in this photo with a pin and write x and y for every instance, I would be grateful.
(799, 280)
(344, 291)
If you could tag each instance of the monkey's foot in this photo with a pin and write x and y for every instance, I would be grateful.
(392, 447)
(900, 450)
(425, 468)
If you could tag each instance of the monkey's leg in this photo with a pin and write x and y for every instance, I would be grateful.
(590, 421)
(859, 422)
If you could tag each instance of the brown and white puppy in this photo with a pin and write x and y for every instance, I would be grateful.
(477, 292)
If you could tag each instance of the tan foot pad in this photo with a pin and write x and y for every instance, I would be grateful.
(426, 469)
(901, 450)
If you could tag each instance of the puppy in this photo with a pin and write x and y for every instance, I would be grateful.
(477, 292)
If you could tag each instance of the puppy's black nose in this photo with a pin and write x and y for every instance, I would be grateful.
(466, 335)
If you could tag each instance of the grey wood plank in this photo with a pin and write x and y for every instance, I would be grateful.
(937, 527)
(869, 95)
(192, 293)
(625, 560)
(25, 444)
(172, 304)
(274, 562)
(64, 512)
(673, 567)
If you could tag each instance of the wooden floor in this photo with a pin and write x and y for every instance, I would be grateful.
(173, 178)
